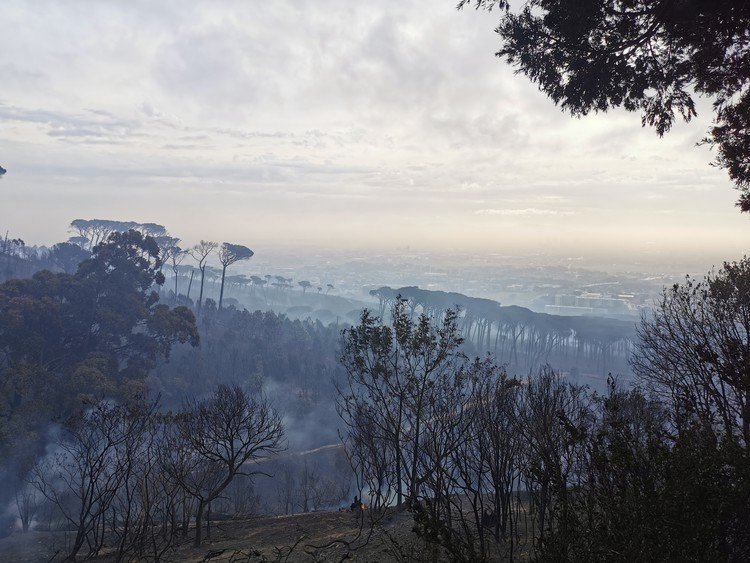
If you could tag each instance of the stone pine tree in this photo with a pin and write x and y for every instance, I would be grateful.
(228, 255)
(176, 256)
(200, 253)
(304, 284)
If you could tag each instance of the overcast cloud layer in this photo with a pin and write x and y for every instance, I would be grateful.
(339, 124)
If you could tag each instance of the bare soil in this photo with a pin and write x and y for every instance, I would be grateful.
(316, 536)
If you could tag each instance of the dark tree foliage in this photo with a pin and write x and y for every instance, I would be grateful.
(541, 468)
(65, 339)
(695, 350)
(651, 56)
(94, 231)
(523, 339)
(67, 256)
(240, 346)
(391, 371)
(228, 255)
(646, 493)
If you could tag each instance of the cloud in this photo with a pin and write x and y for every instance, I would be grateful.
(85, 126)
(318, 116)
(527, 212)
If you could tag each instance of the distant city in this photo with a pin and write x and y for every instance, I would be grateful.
(545, 284)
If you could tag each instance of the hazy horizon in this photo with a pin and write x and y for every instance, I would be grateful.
(334, 126)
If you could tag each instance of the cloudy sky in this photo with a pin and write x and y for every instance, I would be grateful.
(331, 123)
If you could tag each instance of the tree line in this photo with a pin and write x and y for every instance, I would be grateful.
(68, 339)
(101, 434)
(260, 347)
(488, 464)
(523, 339)
(18, 260)
(496, 466)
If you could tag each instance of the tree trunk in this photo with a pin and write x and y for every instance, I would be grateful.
(200, 295)
(414, 461)
(399, 461)
(185, 516)
(190, 283)
(199, 524)
(208, 521)
(221, 293)
(746, 419)
(77, 545)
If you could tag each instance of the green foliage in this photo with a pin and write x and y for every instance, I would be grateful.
(66, 339)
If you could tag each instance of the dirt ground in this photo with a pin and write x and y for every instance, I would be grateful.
(316, 536)
(32, 547)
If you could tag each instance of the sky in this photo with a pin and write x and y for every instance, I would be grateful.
(332, 124)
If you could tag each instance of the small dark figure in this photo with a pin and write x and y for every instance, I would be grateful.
(356, 504)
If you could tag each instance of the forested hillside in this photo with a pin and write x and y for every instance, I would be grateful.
(401, 307)
(135, 418)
